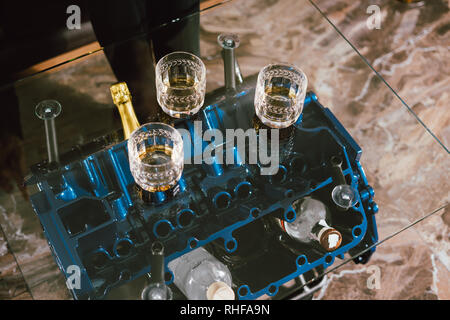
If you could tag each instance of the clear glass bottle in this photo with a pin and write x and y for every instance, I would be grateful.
(200, 276)
(312, 224)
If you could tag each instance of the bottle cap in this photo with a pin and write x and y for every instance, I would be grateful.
(219, 291)
(330, 239)
(120, 93)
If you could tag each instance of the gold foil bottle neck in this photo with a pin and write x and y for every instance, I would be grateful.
(122, 99)
(120, 93)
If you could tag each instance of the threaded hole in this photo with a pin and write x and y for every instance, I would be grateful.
(301, 261)
(255, 212)
(272, 289)
(99, 259)
(231, 245)
(163, 229)
(193, 244)
(243, 191)
(185, 218)
(290, 215)
(222, 201)
(123, 248)
(243, 291)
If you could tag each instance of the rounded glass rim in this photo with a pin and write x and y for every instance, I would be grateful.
(177, 148)
(187, 55)
(285, 66)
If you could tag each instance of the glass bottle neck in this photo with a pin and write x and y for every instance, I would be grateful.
(129, 120)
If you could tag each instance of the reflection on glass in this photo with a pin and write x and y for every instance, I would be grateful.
(280, 94)
(344, 196)
(157, 291)
(155, 152)
(180, 84)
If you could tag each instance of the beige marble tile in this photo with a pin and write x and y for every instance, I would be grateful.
(410, 50)
(12, 283)
(27, 241)
(409, 269)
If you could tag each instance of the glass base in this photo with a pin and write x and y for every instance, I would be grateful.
(158, 197)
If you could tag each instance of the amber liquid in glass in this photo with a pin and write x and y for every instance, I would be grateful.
(157, 155)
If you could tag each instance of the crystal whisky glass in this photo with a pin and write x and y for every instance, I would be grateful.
(180, 84)
(155, 152)
(280, 94)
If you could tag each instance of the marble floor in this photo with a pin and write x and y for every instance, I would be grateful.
(405, 163)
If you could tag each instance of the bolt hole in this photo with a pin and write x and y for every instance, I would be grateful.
(357, 232)
(243, 291)
(100, 259)
(289, 194)
(222, 201)
(231, 245)
(123, 248)
(193, 244)
(272, 289)
(255, 212)
(328, 259)
(185, 218)
(290, 215)
(243, 191)
(301, 261)
(162, 229)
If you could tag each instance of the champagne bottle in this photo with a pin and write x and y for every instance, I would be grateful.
(122, 99)
(312, 224)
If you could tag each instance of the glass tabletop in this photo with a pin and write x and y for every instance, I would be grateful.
(404, 160)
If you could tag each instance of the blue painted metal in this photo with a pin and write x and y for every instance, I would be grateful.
(93, 218)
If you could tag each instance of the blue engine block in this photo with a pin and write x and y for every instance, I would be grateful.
(93, 217)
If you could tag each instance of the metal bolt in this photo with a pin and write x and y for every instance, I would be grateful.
(229, 42)
(157, 262)
(48, 110)
(343, 195)
(338, 174)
